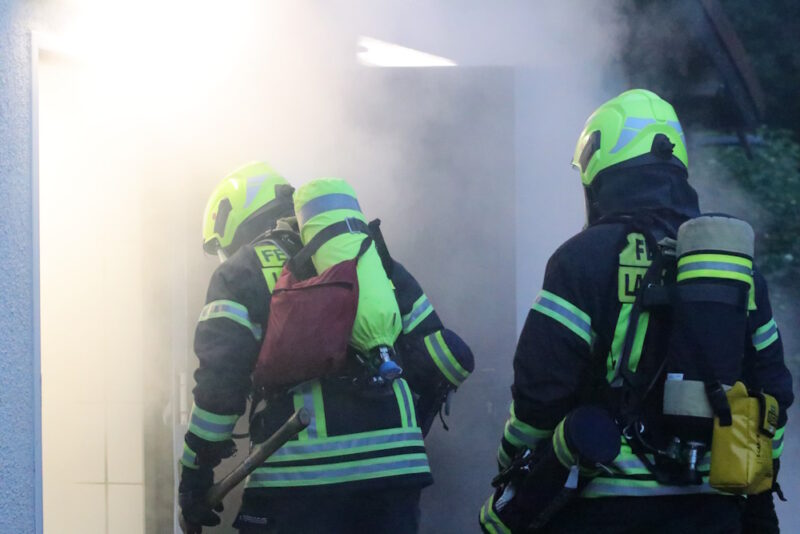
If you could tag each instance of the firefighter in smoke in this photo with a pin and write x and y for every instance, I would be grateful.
(652, 335)
(361, 463)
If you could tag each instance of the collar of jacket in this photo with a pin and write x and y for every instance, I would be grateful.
(661, 188)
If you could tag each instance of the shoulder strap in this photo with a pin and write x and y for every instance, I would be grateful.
(300, 264)
(380, 245)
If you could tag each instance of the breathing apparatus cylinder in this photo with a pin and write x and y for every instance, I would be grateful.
(320, 204)
(713, 294)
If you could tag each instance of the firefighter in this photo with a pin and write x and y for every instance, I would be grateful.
(361, 463)
(588, 341)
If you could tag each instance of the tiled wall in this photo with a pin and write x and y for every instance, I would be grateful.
(91, 319)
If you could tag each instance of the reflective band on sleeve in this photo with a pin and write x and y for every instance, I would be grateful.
(377, 440)
(230, 310)
(321, 204)
(564, 455)
(419, 311)
(211, 426)
(520, 434)
(189, 457)
(489, 519)
(502, 457)
(443, 358)
(312, 475)
(565, 313)
(766, 335)
(777, 443)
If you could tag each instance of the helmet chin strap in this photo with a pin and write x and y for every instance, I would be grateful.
(221, 255)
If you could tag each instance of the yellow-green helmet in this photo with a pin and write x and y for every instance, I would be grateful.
(246, 203)
(634, 124)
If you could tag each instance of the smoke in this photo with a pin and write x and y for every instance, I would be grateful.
(467, 166)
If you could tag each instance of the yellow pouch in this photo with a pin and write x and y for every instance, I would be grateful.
(741, 453)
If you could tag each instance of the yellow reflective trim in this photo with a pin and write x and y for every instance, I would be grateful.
(638, 341)
(715, 273)
(723, 258)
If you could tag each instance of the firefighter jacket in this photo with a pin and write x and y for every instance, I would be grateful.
(573, 337)
(359, 438)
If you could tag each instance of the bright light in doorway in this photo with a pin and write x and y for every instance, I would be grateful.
(377, 53)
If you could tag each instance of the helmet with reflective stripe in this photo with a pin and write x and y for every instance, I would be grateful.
(635, 124)
(246, 203)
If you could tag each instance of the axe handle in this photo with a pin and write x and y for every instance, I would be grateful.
(293, 426)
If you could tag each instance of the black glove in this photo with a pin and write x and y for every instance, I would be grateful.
(192, 499)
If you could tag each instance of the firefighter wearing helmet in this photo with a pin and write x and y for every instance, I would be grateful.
(650, 334)
(361, 463)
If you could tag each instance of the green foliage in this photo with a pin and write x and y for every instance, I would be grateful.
(772, 181)
(768, 31)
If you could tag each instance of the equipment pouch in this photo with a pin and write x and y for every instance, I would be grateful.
(741, 453)
(309, 326)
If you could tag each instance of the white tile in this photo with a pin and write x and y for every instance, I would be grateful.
(80, 442)
(125, 443)
(125, 509)
(78, 509)
(124, 380)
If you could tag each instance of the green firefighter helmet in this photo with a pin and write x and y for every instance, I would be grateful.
(634, 124)
(246, 203)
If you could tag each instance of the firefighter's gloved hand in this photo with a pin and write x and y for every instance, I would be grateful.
(191, 497)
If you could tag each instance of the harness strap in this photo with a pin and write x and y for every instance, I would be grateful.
(380, 244)
(300, 264)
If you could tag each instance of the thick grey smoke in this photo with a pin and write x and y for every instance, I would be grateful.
(468, 167)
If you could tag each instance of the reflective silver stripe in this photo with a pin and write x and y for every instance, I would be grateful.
(189, 457)
(524, 438)
(631, 128)
(715, 265)
(408, 415)
(352, 469)
(253, 186)
(230, 310)
(308, 404)
(489, 519)
(321, 204)
(600, 488)
(344, 445)
(637, 123)
(762, 336)
(454, 373)
(677, 126)
(565, 313)
(636, 463)
(422, 307)
(625, 137)
(209, 426)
